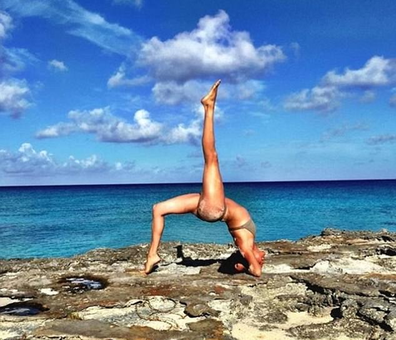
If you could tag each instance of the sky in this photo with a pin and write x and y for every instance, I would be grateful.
(95, 92)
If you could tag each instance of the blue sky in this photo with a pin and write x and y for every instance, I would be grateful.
(108, 91)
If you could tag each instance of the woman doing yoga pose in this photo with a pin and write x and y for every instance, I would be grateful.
(210, 205)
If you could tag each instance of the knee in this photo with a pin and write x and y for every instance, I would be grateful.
(211, 157)
(156, 209)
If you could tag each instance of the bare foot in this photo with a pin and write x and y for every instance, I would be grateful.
(150, 263)
(210, 99)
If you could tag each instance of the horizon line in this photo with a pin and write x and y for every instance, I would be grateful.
(183, 183)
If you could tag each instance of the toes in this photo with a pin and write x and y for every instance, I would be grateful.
(216, 84)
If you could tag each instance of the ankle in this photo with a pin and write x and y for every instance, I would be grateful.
(208, 106)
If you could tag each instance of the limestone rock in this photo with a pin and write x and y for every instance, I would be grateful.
(338, 285)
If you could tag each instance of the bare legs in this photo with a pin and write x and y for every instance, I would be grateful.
(178, 205)
(212, 201)
(210, 205)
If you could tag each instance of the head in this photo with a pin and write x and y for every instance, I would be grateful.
(246, 245)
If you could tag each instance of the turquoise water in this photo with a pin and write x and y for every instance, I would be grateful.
(69, 220)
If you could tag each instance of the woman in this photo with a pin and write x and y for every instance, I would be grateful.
(210, 205)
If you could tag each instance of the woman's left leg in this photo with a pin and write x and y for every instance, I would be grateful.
(178, 205)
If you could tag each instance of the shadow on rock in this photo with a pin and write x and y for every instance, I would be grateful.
(227, 266)
(189, 262)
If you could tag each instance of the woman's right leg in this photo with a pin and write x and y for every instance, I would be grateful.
(178, 205)
(212, 202)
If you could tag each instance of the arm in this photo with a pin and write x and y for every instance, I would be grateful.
(254, 265)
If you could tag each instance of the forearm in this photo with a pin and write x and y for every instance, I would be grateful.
(254, 265)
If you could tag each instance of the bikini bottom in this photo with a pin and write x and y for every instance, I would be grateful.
(249, 225)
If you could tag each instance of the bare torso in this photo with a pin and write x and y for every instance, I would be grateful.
(236, 215)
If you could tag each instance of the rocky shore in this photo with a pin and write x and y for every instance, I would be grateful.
(338, 285)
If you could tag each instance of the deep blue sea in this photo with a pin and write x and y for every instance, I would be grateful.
(68, 220)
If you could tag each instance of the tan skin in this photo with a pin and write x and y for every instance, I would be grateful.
(211, 204)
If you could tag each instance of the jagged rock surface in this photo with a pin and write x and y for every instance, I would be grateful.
(339, 285)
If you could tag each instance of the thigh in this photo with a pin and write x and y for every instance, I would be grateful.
(212, 185)
(182, 204)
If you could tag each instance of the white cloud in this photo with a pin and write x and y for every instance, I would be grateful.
(173, 93)
(249, 89)
(107, 127)
(5, 24)
(326, 97)
(323, 99)
(13, 99)
(211, 50)
(192, 132)
(378, 71)
(191, 91)
(185, 134)
(14, 93)
(120, 79)
(180, 66)
(79, 21)
(57, 65)
(29, 162)
(13, 60)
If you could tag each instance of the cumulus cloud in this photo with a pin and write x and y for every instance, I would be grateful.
(26, 160)
(110, 128)
(324, 99)
(185, 134)
(57, 65)
(181, 66)
(378, 71)
(107, 127)
(13, 94)
(79, 22)
(173, 93)
(382, 139)
(29, 162)
(326, 96)
(213, 49)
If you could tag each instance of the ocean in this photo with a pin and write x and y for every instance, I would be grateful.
(59, 221)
